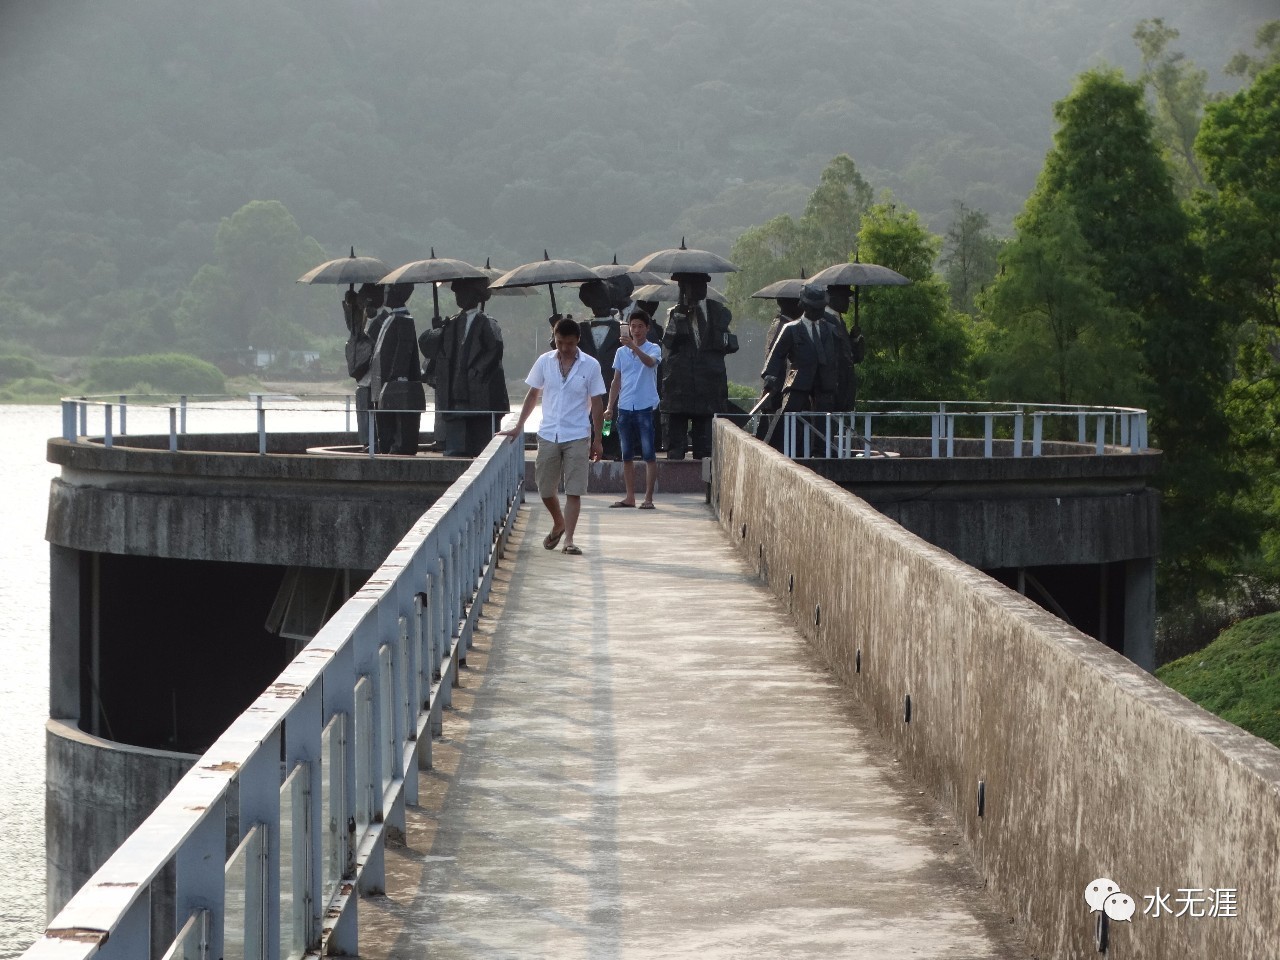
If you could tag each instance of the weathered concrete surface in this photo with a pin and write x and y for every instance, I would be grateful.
(1067, 507)
(1092, 767)
(288, 508)
(644, 762)
(97, 793)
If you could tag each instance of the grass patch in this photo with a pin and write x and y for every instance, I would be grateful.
(1237, 676)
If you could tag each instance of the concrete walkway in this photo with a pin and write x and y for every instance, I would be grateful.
(645, 761)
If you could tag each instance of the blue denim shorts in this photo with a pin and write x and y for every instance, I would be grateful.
(635, 430)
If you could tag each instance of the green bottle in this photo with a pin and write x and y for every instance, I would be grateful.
(608, 428)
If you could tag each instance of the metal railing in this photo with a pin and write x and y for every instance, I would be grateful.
(81, 414)
(1001, 429)
(313, 776)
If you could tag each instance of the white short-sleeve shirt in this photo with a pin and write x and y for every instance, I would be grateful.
(566, 401)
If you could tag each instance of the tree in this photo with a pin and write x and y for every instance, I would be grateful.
(1267, 40)
(969, 255)
(784, 247)
(1105, 167)
(1177, 88)
(259, 252)
(1056, 335)
(1239, 145)
(917, 348)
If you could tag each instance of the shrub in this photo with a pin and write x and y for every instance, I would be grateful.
(14, 367)
(163, 372)
(32, 390)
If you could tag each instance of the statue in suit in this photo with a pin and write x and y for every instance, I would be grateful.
(465, 354)
(803, 366)
(395, 377)
(695, 382)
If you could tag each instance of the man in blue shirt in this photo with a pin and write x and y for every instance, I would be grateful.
(633, 396)
(570, 387)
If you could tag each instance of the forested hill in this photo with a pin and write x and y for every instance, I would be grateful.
(129, 130)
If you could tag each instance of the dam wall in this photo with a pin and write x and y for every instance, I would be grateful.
(1061, 760)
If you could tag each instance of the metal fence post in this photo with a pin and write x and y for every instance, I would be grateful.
(124, 410)
(69, 421)
(173, 429)
(182, 417)
(1018, 427)
(106, 425)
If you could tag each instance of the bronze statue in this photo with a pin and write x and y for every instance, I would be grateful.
(464, 354)
(695, 383)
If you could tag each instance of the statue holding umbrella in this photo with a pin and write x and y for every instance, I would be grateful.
(842, 281)
(695, 383)
(364, 314)
(463, 355)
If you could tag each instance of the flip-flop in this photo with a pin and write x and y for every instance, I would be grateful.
(552, 539)
(622, 503)
(573, 550)
(647, 505)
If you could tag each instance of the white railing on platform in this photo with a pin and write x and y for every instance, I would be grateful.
(260, 413)
(313, 776)
(999, 427)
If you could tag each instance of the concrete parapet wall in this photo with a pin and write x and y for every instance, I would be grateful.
(1092, 768)
(97, 794)
(286, 508)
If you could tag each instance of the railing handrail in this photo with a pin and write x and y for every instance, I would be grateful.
(75, 414)
(849, 435)
(404, 633)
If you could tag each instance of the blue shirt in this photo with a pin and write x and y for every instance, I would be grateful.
(639, 383)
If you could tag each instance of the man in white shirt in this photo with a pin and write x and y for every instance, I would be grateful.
(571, 389)
(633, 396)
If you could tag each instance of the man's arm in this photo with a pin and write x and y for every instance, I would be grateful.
(640, 352)
(530, 401)
(615, 388)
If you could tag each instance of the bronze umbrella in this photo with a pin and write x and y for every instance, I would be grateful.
(435, 271)
(349, 270)
(857, 274)
(546, 271)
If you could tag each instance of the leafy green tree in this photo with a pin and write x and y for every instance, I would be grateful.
(259, 252)
(1267, 40)
(1106, 168)
(1056, 335)
(763, 254)
(969, 255)
(917, 347)
(784, 247)
(1239, 144)
(832, 217)
(1177, 88)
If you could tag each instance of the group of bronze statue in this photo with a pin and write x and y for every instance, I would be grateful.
(809, 362)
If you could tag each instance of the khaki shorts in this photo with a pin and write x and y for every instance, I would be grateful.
(557, 461)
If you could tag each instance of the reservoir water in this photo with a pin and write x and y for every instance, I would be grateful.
(24, 679)
(24, 622)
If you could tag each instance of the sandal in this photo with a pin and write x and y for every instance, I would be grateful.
(647, 505)
(622, 503)
(552, 539)
(572, 550)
